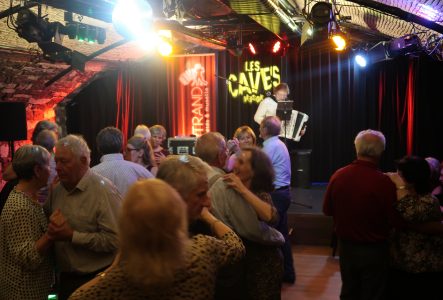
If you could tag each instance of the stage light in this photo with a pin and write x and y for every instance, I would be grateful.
(33, 28)
(339, 41)
(361, 60)
(276, 47)
(82, 31)
(309, 31)
(91, 35)
(252, 49)
(234, 46)
(101, 36)
(133, 19)
(164, 48)
(321, 13)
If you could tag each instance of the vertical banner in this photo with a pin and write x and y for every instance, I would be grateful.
(191, 94)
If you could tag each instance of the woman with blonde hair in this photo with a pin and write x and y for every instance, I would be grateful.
(139, 150)
(153, 245)
(158, 136)
(243, 136)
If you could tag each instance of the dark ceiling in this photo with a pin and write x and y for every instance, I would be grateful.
(220, 23)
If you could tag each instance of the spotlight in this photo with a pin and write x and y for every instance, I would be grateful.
(82, 31)
(33, 28)
(321, 13)
(91, 35)
(339, 41)
(276, 47)
(101, 36)
(234, 46)
(361, 60)
(133, 19)
(164, 48)
(252, 49)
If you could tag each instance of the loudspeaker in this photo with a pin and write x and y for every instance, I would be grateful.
(13, 121)
(301, 168)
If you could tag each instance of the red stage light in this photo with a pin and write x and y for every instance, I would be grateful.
(252, 49)
(276, 47)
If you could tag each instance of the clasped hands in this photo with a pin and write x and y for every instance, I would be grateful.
(58, 228)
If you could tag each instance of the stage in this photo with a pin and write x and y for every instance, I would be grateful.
(305, 218)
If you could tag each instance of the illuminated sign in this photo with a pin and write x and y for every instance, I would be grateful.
(246, 84)
(199, 94)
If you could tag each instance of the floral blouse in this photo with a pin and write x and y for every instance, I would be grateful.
(413, 251)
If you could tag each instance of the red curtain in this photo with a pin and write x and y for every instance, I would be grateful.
(191, 94)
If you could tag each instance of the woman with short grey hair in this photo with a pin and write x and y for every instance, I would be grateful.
(25, 267)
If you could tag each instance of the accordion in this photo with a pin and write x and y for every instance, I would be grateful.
(291, 127)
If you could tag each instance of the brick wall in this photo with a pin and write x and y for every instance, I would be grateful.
(22, 78)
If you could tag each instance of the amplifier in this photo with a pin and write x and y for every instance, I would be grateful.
(182, 145)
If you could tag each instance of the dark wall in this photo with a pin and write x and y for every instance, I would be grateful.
(340, 98)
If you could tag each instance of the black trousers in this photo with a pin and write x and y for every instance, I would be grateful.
(364, 270)
(282, 200)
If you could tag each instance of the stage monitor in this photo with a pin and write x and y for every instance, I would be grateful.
(13, 121)
(182, 145)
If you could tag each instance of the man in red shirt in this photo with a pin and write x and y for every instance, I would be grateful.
(360, 199)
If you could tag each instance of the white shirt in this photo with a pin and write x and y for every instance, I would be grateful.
(268, 107)
(121, 172)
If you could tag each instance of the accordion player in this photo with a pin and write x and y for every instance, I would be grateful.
(291, 127)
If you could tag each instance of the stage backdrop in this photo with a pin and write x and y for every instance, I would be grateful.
(191, 94)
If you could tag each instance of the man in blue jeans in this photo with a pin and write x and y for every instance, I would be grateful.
(276, 150)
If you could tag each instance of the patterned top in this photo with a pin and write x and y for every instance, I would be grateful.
(413, 251)
(24, 273)
(195, 281)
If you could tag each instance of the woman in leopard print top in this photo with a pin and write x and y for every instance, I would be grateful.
(194, 277)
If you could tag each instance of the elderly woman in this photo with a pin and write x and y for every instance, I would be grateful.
(244, 136)
(417, 257)
(252, 178)
(153, 244)
(158, 136)
(139, 150)
(206, 254)
(25, 266)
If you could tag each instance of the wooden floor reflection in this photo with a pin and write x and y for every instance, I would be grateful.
(318, 275)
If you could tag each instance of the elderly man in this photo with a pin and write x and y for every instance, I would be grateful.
(112, 165)
(85, 207)
(211, 148)
(360, 198)
(276, 150)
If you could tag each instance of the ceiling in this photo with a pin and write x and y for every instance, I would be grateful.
(220, 24)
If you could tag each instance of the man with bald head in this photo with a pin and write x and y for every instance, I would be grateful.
(361, 198)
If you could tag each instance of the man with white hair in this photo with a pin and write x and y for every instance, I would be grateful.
(361, 198)
(85, 207)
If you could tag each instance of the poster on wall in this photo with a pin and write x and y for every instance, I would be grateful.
(191, 93)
